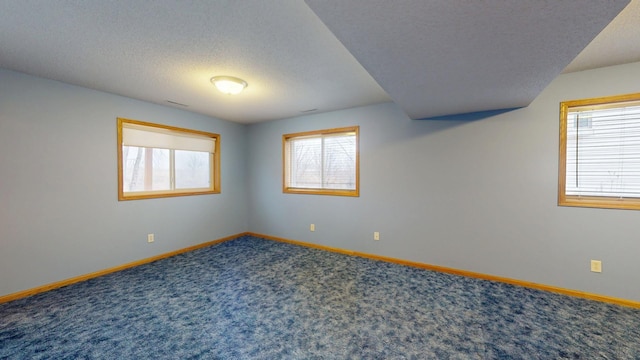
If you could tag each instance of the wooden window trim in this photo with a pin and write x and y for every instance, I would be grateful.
(604, 202)
(334, 192)
(214, 169)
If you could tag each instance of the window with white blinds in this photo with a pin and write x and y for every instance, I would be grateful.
(600, 152)
(322, 162)
(159, 161)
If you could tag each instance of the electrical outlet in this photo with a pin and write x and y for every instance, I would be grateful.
(312, 227)
(596, 266)
(150, 238)
(376, 235)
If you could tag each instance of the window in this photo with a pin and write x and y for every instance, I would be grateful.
(161, 161)
(324, 162)
(600, 152)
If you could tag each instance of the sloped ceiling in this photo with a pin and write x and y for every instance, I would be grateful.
(431, 57)
(437, 58)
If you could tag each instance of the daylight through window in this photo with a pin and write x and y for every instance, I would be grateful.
(160, 161)
(324, 162)
(600, 152)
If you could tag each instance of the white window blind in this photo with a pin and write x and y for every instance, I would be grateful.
(160, 138)
(603, 151)
(323, 161)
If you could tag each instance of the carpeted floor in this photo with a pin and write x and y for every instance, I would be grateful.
(257, 299)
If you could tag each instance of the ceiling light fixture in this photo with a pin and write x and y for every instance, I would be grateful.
(228, 84)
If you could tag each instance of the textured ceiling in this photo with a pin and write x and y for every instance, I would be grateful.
(618, 43)
(438, 58)
(168, 50)
(432, 57)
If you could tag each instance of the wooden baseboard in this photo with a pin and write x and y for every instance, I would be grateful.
(73, 280)
(554, 289)
(576, 293)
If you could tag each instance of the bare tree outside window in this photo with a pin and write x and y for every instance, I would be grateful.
(191, 169)
(322, 162)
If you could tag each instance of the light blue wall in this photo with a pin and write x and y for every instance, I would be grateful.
(59, 212)
(473, 195)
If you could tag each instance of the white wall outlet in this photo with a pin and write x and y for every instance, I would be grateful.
(596, 266)
(150, 238)
(376, 235)
(312, 227)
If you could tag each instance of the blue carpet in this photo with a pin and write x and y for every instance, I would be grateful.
(255, 299)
